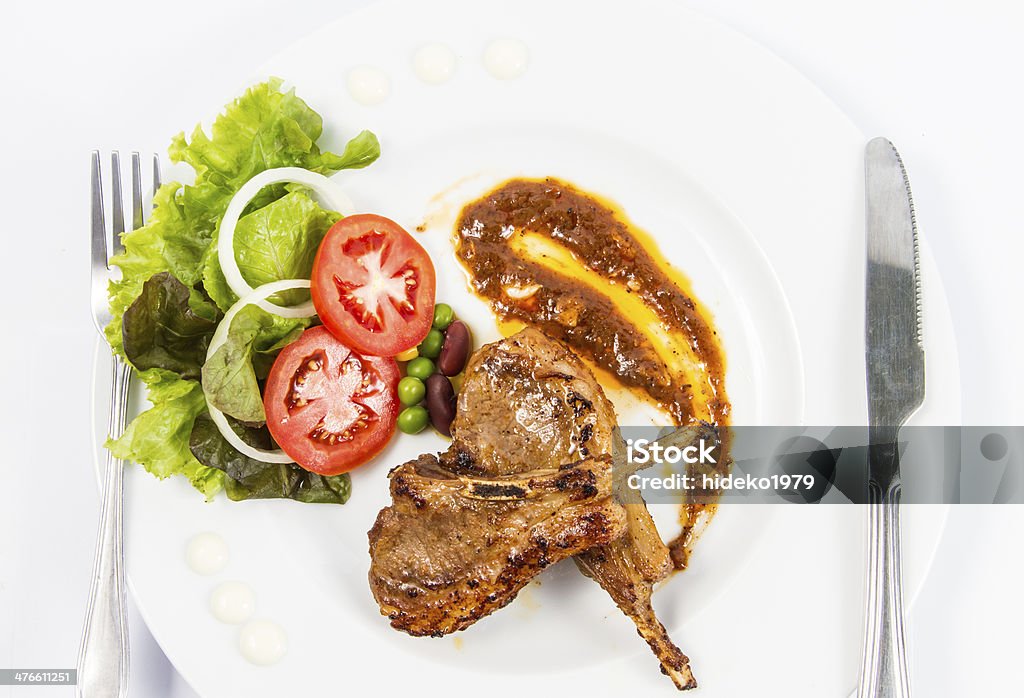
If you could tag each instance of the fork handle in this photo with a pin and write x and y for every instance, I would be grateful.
(103, 658)
(885, 673)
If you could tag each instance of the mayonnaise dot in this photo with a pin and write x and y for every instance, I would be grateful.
(434, 63)
(232, 602)
(368, 85)
(206, 553)
(262, 642)
(506, 59)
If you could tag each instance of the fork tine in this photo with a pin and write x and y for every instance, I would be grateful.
(156, 173)
(137, 220)
(117, 208)
(99, 226)
(99, 245)
(106, 242)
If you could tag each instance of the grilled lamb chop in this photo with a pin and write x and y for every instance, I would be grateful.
(527, 404)
(453, 548)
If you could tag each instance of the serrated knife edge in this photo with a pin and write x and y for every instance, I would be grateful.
(917, 242)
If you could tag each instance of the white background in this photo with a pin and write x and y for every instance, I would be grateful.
(942, 80)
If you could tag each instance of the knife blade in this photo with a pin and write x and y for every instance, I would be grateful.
(895, 384)
(894, 351)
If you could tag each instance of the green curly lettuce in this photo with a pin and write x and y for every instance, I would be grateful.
(158, 439)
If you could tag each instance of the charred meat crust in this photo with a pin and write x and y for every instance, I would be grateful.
(445, 554)
(446, 609)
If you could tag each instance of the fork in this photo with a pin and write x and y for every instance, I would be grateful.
(103, 657)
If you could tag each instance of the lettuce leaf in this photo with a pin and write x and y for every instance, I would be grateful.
(230, 374)
(278, 241)
(158, 438)
(169, 326)
(359, 152)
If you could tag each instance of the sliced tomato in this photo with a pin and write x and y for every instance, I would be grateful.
(373, 285)
(328, 407)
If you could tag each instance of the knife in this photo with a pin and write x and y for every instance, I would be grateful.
(895, 384)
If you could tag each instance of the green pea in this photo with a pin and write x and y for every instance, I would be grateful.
(443, 315)
(412, 420)
(421, 367)
(411, 390)
(430, 347)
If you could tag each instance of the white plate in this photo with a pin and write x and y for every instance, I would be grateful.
(751, 181)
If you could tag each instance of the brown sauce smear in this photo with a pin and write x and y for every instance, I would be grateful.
(543, 253)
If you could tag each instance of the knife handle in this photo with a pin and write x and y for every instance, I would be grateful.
(884, 673)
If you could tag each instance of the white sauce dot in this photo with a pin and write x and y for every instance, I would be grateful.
(506, 59)
(434, 63)
(368, 85)
(206, 553)
(262, 642)
(233, 602)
